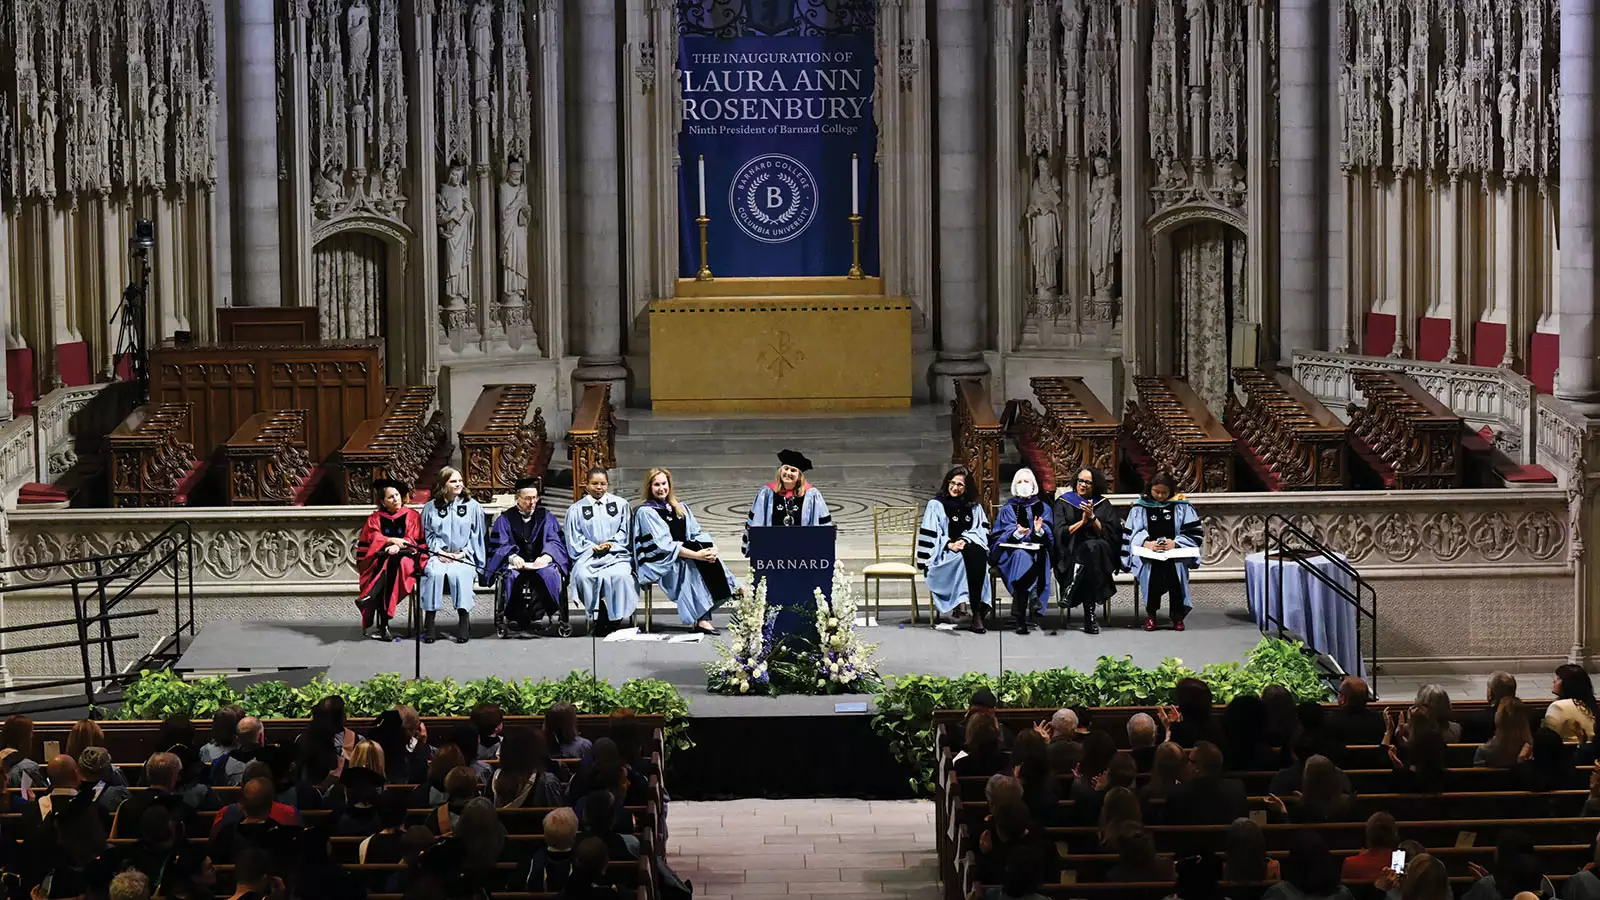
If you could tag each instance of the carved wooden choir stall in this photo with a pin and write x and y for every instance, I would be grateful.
(499, 445)
(152, 456)
(1173, 431)
(1286, 435)
(592, 439)
(1074, 432)
(398, 444)
(1411, 439)
(266, 460)
(975, 439)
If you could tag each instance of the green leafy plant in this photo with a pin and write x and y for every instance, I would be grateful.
(907, 704)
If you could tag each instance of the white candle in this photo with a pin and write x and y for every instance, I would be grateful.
(702, 187)
(855, 186)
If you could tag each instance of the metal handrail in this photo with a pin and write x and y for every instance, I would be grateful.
(95, 599)
(1277, 545)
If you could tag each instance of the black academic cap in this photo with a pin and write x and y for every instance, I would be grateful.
(983, 697)
(361, 778)
(444, 858)
(279, 758)
(383, 484)
(794, 458)
(535, 483)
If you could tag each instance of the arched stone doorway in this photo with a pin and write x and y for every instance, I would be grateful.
(1200, 272)
(350, 282)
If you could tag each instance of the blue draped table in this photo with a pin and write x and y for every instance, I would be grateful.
(1307, 604)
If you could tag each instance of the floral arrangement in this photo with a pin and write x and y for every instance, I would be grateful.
(742, 666)
(845, 664)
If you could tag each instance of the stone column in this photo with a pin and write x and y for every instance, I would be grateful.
(1303, 149)
(222, 192)
(960, 30)
(1575, 380)
(595, 233)
(254, 121)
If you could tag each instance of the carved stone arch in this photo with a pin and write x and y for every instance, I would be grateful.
(361, 283)
(1200, 299)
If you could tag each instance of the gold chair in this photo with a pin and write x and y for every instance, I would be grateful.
(893, 522)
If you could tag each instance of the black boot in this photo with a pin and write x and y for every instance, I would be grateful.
(1090, 624)
(381, 632)
(463, 627)
(979, 613)
(430, 628)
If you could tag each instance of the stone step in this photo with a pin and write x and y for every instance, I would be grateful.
(921, 471)
(918, 420)
(639, 446)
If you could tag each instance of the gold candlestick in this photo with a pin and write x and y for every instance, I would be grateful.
(855, 239)
(705, 268)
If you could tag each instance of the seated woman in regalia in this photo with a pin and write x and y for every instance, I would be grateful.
(672, 550)
(389, 556)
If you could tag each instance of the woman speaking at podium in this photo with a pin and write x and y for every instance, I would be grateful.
(452, 527)
(1161, 543)
(670, 548)
(953, 549)
(789, 500)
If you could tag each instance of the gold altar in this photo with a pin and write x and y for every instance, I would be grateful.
(780, 345)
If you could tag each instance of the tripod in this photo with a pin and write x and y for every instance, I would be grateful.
(131, 313)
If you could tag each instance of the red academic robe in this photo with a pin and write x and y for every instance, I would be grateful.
(372, 557)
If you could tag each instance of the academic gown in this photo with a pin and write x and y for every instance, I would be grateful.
(1014, 565)
(457, 528)
(592, 522)
(1186, 531)
(770, 508)
(656, 558)
(946, 570)
(386, 578)
(529, 538)
(1098, 553)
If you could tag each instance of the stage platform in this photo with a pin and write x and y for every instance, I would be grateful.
(242, 647)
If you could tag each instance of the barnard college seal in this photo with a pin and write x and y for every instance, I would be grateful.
(773, 198)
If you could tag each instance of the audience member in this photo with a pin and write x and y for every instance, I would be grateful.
(1353, 722)
(1477, 726)
(1142, 735)
(1512, 737)
(65, 826)
(1120, 807)
(252, 875)
(487, 721)
(1245, 856)
(387, 844)
(1031, 767)
(161, 773)
(1064, 725)
(1325, 794)
(228, 769)
(1189, 719)
(1287, 779)
(1422, 769)
(1024, 876)
(131, 885)
(328, 718)
(1309, 873)
(100, 778)
(1383, 835)
(405, 757)
(356, 800)
(1166, 770)
(588, 880)
(432, 792)
(1425, 878)
(1283, 724)
(16, 753)
(460, 786)
(1137, 859)
(523, 778)
(85, 733)
(551, 863)
(1003, 788)
(1122, 771)
(1065, 756)
(561, 727)
(1572, 715)
(224, 735)
(480, 829)
(1585, 883)
(256, 806)
(1516, 869)
(1244, 736)
(598, 817)
(1436, 700)
(1205, 797)
(1548, 768)
(413, 842)
(984, 754)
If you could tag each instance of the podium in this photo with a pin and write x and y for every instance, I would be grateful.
(795, 562)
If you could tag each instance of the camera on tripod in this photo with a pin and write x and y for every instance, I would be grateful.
(132, 356)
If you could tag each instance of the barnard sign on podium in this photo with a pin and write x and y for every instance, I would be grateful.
(796, 562)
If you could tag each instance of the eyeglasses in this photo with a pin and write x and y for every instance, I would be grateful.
(1086, 481)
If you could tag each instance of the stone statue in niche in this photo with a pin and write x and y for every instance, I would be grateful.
(482, 49)
(515, 215)
(358, 27)
(455, 229)
(1448, 97)
(1399, 114)
(1044, 230)
(1506, 103)
(1198, 44)
(1105, 229)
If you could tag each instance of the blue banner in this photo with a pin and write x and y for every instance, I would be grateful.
(777, 120)
(795, 562)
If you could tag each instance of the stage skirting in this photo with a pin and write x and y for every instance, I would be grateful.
(718, 350)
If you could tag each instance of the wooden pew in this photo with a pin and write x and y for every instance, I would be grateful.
(339, 383)
(397, 444)
(975, 439)
(1179, 435)
(1296, 442)
(266, 461)
(499, 445)
(1074, 432)
(592, 439)
(152, 456)
(1408, 436)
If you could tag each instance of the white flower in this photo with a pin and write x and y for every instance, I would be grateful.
(744, 687)
(833, 622)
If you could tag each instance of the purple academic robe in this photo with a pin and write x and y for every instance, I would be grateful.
(540, 536)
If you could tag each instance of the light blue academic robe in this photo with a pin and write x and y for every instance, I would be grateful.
(1135, 531)
(945, 570)
(590, 523)
(456, 528)
(1013, 564)
(656, 561)
(813, 511)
